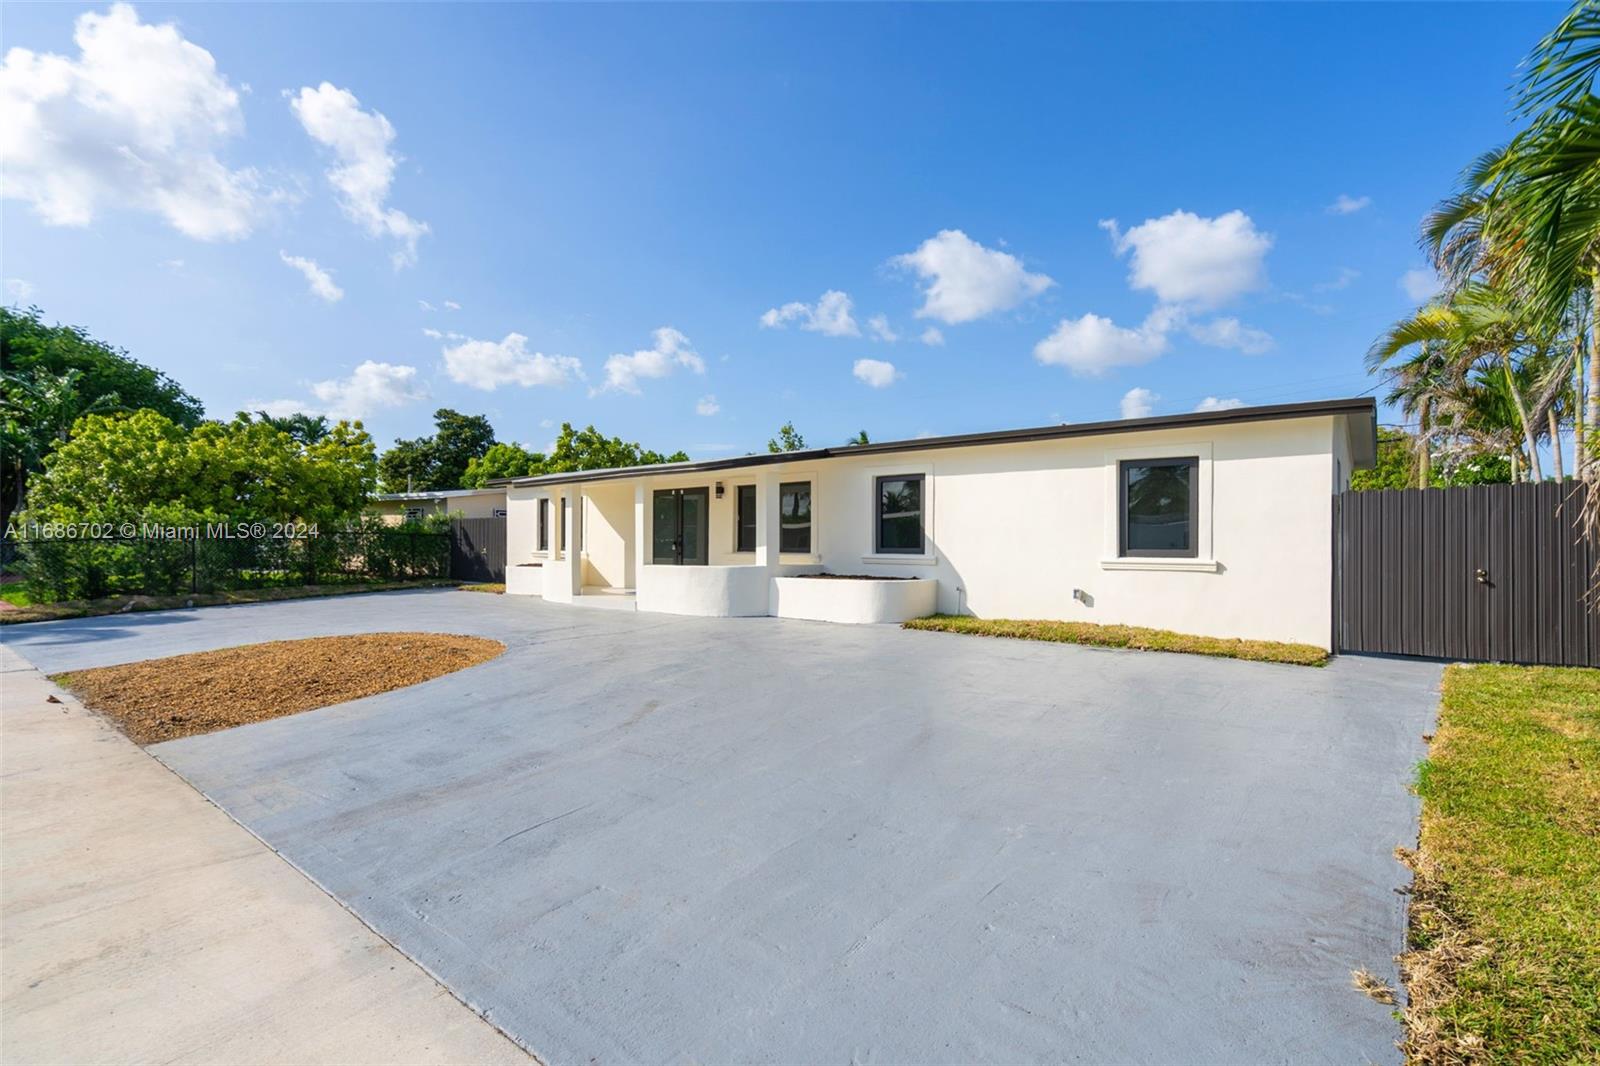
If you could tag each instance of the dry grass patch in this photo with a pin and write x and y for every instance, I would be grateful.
(1504, 957)
(181, 696)
(1124, 637)
(497, 587)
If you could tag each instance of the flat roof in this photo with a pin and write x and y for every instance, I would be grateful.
(1363, 439)
(442, 494)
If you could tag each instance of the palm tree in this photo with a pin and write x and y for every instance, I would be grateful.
(1476, 326)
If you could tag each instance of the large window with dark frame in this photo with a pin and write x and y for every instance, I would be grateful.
(900, 515)
(543, 543)
(1156, 505)
(794, 517)
(745, 535)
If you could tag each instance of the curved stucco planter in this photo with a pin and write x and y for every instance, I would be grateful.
(525, 579)
(852, 600)
(709, 591)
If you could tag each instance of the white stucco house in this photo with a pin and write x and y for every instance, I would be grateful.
(1216, 523)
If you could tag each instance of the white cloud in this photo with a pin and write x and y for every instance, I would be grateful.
(933, 336)
(1138, 403)
(829, 316)
(443, 335)
(360, 141)
(1231, 333)
(1420, 284)
(1343, 280)
(1212, 403)
(1186, 259)
(967, 281)
(707, 406)
(18, 289)
(881, 330)
(1092, 345)
(370, 387)
(875, 372)
(134, 121)
(487, 365)
(1348, 205)
(320, 280)
(424, 305)
(669, 351)
(279, 408)
(451, 305)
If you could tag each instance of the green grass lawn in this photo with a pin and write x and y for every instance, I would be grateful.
(1504, 963)
(16, 594)
(1123, 637)
(30, 611)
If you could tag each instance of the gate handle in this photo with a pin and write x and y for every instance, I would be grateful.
(1483, 576)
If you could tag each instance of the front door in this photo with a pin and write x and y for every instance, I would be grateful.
(680, 530)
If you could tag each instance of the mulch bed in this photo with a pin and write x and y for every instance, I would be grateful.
(184, 695)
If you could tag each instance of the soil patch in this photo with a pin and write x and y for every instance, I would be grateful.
(184, 695)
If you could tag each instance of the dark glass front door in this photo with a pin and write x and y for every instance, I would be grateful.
(680, 527)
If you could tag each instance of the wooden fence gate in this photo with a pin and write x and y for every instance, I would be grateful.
(478, 549)
(1486, 572)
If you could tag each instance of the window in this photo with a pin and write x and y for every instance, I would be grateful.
(562, 533)
(900, 514)
(1157, 506)
(794, 517)
(498, 512)
(543, 543)
(413, 514)
(745, 532)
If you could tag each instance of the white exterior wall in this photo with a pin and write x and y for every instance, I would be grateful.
(1011, 530)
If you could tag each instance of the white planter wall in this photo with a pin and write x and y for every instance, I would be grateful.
(853, 601)
(710, 591)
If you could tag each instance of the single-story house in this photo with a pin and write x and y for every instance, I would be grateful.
(1216, 523)
(397, 507)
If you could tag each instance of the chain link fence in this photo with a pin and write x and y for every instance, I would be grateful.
(62, 569)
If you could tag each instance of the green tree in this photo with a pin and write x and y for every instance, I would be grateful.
(787, 440)
(589, 449)
(142, 466)
(26, 343)
(37, 360)
(502, 460)
(37, 410)
(440, 461)
(307, 429)
(859, 438)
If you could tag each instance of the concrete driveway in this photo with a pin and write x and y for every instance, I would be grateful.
(644, 838)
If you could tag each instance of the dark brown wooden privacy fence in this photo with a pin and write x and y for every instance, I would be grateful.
(1487, 572)
(478, 549)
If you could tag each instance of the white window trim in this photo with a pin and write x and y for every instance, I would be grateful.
(1204, 559)
(929, 554)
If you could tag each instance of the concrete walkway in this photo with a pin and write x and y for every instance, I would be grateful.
(139, 923)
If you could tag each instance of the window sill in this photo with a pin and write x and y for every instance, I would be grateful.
(1155, 562)
(908, 560)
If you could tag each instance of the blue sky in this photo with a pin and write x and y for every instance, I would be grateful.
(645, 217)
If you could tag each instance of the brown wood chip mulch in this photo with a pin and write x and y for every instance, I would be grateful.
(181, 696)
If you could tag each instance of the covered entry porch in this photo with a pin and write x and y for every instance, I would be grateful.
(674, 543)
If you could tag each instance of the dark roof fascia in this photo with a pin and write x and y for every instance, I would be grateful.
(1358, 405)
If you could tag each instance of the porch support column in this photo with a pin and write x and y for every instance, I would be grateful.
(638, 559)
(766, 518)
(572, 551)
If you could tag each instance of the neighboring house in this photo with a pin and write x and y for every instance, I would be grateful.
(1216, 523)
(397, 507)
